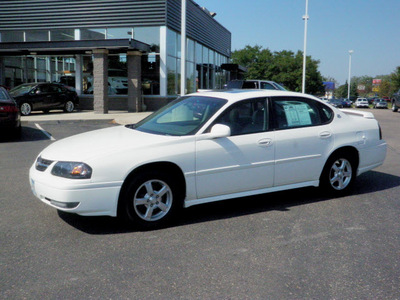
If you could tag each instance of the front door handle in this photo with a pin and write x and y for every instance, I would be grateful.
(265, 142)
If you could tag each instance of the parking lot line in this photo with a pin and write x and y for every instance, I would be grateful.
(45, 132)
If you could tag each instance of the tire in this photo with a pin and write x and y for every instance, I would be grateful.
(394, 107)
(26, 109)
(339, 174)
(69, 106)
(150, 201)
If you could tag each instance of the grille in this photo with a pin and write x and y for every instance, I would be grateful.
(42, 164)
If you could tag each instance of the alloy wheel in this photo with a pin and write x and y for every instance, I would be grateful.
(153, 200)
(340, 174)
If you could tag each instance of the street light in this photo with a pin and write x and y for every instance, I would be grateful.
(348, 88)
(305, 18)
(183, 47)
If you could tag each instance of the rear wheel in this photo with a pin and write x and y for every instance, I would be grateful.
(339, 173)
(26, 109)
(150, 200)
(394, 107)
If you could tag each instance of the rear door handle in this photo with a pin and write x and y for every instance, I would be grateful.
(325, 134)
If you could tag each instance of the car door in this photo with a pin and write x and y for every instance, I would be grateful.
(56, 97)
(241, 162)
(39, 97)
(303, 139)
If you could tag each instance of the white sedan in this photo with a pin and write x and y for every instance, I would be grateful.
(207, 147)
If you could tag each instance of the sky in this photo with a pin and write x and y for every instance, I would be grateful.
(370, 28)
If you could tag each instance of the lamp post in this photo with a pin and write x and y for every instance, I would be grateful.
(348, 88)
(305, 18)
(183, 47)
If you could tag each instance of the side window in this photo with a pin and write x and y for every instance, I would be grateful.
(266, 86)
(54, 89)
(250, 85)
(298, 112)
(42, 89)
(245, 117)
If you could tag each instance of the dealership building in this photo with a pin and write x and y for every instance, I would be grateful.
(118, 54)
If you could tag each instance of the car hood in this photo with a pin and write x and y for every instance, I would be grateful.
(100, 143)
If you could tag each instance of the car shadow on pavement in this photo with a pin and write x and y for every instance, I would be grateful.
(28, 134)
(369, 182)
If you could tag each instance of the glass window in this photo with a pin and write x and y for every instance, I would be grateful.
(266, 86)
(62, 35)
(171, 43)
(245, 117)
(12, 36)
(148, 35)
(93, 34)
(190, 50)
(151, 74)
(119, 33)
(299, 112)
(171, 74)
(36, 35)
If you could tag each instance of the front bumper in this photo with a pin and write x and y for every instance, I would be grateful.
(78, 196)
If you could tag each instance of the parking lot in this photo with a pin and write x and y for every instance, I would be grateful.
(296, 244)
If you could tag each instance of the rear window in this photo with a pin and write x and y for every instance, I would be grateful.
(3, 96)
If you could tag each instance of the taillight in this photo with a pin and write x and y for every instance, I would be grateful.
(9, 109)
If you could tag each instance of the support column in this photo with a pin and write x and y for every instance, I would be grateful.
(134, 59)
(78, 74)
(100, 81)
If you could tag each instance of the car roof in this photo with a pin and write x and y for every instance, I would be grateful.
(239, 94)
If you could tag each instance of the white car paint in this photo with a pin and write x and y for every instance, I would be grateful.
(362, 102)
(214, 168)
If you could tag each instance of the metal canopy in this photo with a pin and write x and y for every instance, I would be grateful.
(71, 47)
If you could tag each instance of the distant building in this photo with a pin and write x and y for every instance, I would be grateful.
(115, 52)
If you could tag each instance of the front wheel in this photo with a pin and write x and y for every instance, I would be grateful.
(150, 200)
(339, 174)
(25, 109)
(394, 107)
(69, 106)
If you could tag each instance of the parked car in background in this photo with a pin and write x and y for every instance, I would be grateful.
(10, 117)
(361, 102)
(380, 103)
(396, 101)
(255, 84)
(207, 147)
(336, 103)
(44, 96)
(346, 103)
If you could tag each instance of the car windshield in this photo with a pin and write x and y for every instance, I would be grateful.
(184, 116)
(21, 89)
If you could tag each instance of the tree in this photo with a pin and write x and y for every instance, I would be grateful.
(395, 78)
(284, 67)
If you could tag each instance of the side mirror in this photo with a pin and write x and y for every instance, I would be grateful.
(220, 131)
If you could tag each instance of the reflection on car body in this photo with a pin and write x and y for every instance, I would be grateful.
(208, 147)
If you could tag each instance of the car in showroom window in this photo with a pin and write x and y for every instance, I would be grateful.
(207, 147)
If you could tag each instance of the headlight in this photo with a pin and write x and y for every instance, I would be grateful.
(72, 170)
